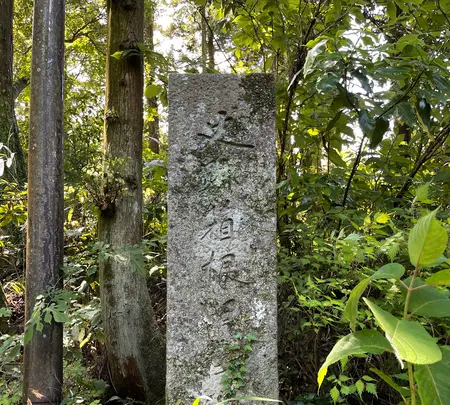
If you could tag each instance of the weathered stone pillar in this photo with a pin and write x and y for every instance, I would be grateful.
(222, 314)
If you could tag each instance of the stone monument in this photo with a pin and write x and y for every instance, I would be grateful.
(221, 299)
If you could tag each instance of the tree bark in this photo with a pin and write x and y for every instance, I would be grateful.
(202, 11)
(43, 355)
(152, 125)
(211, 61)
(8, 129)
(135, 348)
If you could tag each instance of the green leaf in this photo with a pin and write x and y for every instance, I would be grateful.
(29, 330)
(408, 39)
(391, 11)
(424, 113)
(440, 278)
(311, 56)
(371, 388)
(433, 380)
(406, 113)
(365, 122)
(153, 90)
(334, 392)
(388, 271)
(409, 339)
(422, 193)
(403, 391)
(351, 308)
(60, 317)
(381, 126)
(441, 83)
(381, 218)
(427, 241)
(117, 55)
(427, 301)
(362, 342)
(48, 317)
(359, 387)
(336, 158)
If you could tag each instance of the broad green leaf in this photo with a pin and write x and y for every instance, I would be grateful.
(422, 193)
(441, 82)
(427, 241)
(406, 113)
(60, 317)
(351, 308)
(427, 301)
(409, 39)
(365, 122)
(29, 331)
(439, 261)
(391, 11)
(440, 278)
(153, 90)
(388, 271)
(381, 126)
(423, 114)
(336, 158)
(311, 56)
(330, 125)
(409, 339)
(403, 391)
(433, 380)
(362, 342)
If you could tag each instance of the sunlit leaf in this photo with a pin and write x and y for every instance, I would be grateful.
(409, 339)
(362, 342)
(389, 271)
(427, 301)
(351, 308)
(427, 241)
(153, 90)
(440, 278)
(433, 380)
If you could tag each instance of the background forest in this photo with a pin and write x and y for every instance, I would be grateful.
(363, 125)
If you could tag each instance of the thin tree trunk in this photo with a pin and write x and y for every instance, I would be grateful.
(152, 125)
(8, 130)
(135, 348)
(202, 12)
(211, 61)
(43, 355)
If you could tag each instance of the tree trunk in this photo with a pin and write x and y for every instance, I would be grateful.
(152, 125)
(202, 11)
(8, 130)
(211, 61)
(43, 355)
(135, 348)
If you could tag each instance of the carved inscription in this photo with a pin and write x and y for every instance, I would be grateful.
(216, 131)
(221, 265)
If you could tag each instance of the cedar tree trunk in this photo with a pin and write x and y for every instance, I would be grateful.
(8, 130)
(135, 348)
(43, 355)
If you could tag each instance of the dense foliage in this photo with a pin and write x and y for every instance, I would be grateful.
(363, 145)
